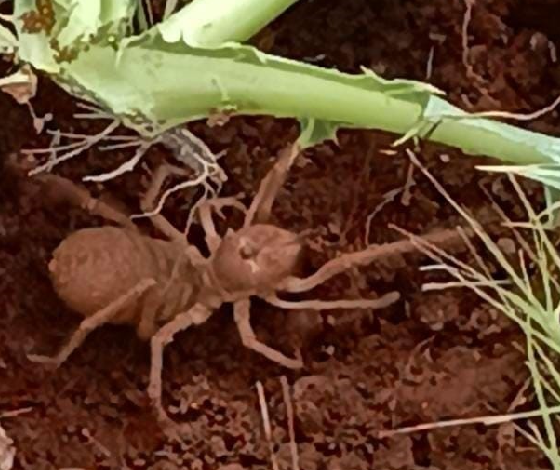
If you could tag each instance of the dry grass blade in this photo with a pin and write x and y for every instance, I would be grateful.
(488, 420)
(15, 413)
(266, 425)
(290, 415)
(529, 296)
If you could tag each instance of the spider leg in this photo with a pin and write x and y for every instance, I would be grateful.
(91, 323)
(60, 189)
(241, 314)
(196, 315)
(347, 261)
(147, 327)
(205, 208)
(379, 303)
(148, 202)
(261, 207)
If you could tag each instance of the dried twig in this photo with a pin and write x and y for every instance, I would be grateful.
(74, 149)
(127, 166)
(488, 420)
(290, 416)
(15, 413)
(266, 425)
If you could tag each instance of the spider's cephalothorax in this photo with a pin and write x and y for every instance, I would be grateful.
(256, 258)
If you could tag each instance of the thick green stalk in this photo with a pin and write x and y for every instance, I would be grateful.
(152, 79)
(171, 84)
(210, 23)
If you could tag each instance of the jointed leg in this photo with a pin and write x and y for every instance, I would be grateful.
(61, 189)
(147, 323)
(261, 207)
(379, 303)
(197, 314)
(249, 339)
(148, 202)
(91, 323)
(347, 261)
(205, 214)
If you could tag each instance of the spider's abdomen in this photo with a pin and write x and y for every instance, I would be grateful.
(95, 266)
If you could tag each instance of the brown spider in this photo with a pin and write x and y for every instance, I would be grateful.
(117, 275)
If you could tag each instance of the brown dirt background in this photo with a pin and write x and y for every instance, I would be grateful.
(430, 357)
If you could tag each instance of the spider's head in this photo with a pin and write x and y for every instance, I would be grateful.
(256, 258)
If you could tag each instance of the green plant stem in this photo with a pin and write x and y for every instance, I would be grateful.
(210, 23)
(167, 85)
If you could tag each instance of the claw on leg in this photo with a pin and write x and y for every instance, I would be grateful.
(91, 323)
(249, 339)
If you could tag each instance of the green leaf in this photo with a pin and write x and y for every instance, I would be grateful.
(152, 84)
(314, 132)
(8, 41)
(86, 19)
(547, 174)
(33, 48)
(83, 22)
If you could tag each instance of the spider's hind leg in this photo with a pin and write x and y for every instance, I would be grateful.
(95, 321)
(58, 189)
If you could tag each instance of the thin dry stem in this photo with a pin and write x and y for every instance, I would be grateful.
(469, 4)
(388, 197)
(517, 116)
(184, 185)
(266, 425)
(77, 148)
(126, 167)
(16, 413)
(430, 63)
(290, 416)
(489, 420)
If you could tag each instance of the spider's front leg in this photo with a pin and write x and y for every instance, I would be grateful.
(205, 209)
(261, 207)
(373, 304)
(348, 261)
